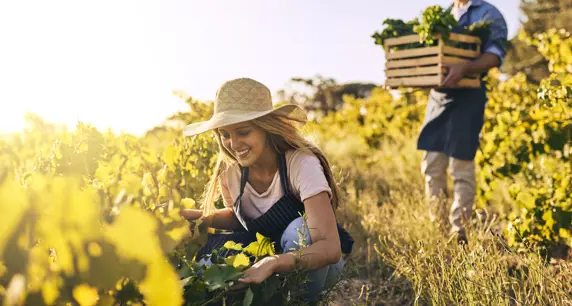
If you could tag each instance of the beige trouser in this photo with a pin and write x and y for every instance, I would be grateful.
(434, 167)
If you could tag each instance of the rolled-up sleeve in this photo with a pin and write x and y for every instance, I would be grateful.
(497, 42)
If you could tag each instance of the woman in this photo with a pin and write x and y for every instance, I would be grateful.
(269, 176)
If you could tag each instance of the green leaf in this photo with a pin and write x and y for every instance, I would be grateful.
(547, 217)
(147, 180)
(196, 291)
(248, 298)
(217, 276)
(118, 267)
(526, 200)
(564, 233)
(131, 183)
(188, 203)
(169, 156)
(185, 271)
(270, 287)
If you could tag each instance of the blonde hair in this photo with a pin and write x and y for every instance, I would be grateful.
(283, 136)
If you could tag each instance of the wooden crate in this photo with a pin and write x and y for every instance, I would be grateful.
(423, 67)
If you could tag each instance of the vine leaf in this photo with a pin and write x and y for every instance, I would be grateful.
(218, 276)
(249, 296)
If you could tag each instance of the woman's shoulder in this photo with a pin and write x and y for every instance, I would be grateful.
(230, 174)
(306, 174)
(298, 155)
(298, 159)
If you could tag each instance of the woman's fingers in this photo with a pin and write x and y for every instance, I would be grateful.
(250, 279)
(191, 216)
(238, 286)
(246, 280)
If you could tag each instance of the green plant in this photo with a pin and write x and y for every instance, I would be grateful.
(396, 28)
(435, 21)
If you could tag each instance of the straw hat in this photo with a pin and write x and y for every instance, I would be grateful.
(242, 100)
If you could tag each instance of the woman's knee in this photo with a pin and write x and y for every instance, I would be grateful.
(296, 235)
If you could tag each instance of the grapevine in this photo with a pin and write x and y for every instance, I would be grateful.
(89, 218)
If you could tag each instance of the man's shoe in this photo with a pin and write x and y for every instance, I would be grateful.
(461, 237)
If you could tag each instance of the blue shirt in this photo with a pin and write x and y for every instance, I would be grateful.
(480, 10)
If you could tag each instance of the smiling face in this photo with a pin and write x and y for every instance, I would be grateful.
(245, 141)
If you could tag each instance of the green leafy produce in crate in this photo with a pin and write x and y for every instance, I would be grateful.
(396, 28)
(435, 21)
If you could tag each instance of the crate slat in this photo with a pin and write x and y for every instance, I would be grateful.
(429, 81)
(414, 81)
(464, 38)
(414, 71)
(460, 52)
(413, 62)
(413, 53)
(407, 39)
(454, 60)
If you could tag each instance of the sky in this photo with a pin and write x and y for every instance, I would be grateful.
(115, 63)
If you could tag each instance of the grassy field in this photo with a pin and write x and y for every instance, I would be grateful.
(403, 256)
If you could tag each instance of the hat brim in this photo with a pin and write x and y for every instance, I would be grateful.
(218, 120)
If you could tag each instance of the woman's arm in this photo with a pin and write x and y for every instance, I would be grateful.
(221, 219)
(224, 218)
(325, 248)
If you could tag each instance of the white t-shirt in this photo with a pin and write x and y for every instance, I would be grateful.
(459, 11)
(305, 174)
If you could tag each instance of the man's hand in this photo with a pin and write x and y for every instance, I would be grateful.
(455, 74)
(479, 66)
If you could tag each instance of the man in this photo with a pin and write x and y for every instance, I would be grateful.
(454, 117)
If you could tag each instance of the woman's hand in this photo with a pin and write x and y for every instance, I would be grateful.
(258, 273)
(192, 215)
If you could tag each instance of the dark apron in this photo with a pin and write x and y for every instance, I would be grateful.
(272, 223)
(454, 117)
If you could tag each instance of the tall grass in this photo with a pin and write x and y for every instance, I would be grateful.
(403, 256)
